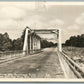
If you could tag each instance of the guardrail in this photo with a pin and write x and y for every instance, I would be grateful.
(79, 73)
(11, 55)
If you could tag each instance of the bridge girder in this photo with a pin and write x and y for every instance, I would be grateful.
(35, 33)
(45, 31)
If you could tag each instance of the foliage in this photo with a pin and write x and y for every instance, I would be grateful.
(17, 44)
(76, 41)
(5, 42)
(45, 43)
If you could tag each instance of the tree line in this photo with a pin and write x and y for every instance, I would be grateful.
(17, 44)
(75, 41)
(7, 44)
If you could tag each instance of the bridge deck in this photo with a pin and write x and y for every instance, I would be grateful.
(42, 65)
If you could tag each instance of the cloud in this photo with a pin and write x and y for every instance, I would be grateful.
(56, 23)
(34, 21)
(80, 19)
(73, 27)
(11, 17)
(22, 5)
(11, 12)
(15, 16)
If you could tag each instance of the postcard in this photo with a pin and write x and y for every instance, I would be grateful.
(41, 41)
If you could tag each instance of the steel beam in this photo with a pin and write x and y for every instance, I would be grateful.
(45, 31)
(25, 46)
(59, 41)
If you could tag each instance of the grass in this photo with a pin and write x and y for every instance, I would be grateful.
(75, 53)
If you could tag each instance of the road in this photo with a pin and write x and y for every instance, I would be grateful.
(42, 65)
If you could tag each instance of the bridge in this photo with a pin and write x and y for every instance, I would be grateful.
(35, 62)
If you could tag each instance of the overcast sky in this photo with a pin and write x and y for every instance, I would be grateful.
(15, 16)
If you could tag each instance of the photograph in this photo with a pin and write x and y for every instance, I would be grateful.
(41, 41)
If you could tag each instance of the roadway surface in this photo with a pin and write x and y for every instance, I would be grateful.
(42, 65)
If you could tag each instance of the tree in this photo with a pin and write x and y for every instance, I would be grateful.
(45, 43)
(5, 42)
(76, 41)
(17, 44)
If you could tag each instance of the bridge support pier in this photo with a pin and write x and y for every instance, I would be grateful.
(25, 46)
(59, 41)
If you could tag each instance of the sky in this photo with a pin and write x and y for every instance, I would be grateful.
(15, 16)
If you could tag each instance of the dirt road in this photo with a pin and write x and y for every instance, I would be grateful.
(42, 65)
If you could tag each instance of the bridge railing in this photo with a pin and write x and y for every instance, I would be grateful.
(78, 72)
(9, 55)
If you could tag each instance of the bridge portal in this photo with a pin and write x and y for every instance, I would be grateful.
(32, 41)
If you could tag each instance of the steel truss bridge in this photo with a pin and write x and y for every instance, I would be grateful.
(32, 43)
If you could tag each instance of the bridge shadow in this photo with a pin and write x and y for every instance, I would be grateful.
(32, 52)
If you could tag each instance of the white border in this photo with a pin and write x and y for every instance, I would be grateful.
(42, 79)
